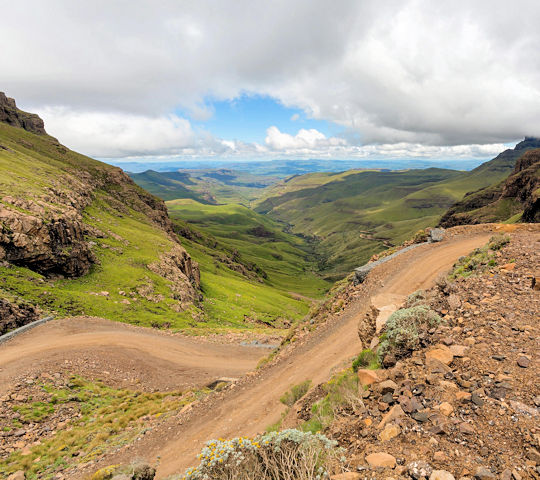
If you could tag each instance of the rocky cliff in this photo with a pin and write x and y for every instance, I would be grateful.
(516, 195)
(10, 114)
(46, 192)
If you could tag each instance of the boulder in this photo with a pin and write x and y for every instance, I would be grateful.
(17, 476)
(367, 377)
(436, 234)
(381, 459)
(441, 353)
(395, 412)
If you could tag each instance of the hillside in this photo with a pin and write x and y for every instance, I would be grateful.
(514, 199)
(357, 213)
(78, 236)
(207, 186)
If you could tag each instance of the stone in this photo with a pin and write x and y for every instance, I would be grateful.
(441, 475)
(440, 456)
(395, 412)
(121, 476)
(463, 396)
(367, 377)
(436, 234)
(346, 476)
(523, 361)
(381, 459)
(508, 267)
(387, 398)
(419, 469)
(458, 350)
(482, 473)
(421, 417)
(19, 475)
(446, 409)
(466, 428)
(441, 353)
(390, 431)
(388, 386)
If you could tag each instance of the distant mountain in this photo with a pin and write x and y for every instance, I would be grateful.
(357, 213)
(517, 198)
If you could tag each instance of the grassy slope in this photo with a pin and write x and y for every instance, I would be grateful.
(229, 297)
(356, 213)
(285, 258)
(28, 170)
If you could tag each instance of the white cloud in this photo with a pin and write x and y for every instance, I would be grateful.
(399, 72)
(106, 134)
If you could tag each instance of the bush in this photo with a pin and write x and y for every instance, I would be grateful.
(404, 328)
(498, 241)
(289, 454)
(415, 299)
(341, 396)
(366, 359)
(295, 393)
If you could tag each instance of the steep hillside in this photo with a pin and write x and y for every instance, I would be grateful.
(251, 271)
(514, 199)
(77, 235)
(357, 213)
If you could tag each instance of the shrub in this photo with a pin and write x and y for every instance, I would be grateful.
(341, 396)
(404, 328)
(415, 299)
(420, 237)
(295, 393)
(366, 359)
(289, 454)
(496, 242)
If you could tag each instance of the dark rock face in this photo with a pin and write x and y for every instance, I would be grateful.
(46, 245)
(10, 114)
(518, 190)
(13, 315)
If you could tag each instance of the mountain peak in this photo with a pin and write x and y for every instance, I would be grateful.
(528, 143)
(10, 114)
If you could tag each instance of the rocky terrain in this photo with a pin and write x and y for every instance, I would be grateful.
(517, 196)
(466, 403)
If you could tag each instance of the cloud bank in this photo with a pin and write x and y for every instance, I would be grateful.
(400, 77)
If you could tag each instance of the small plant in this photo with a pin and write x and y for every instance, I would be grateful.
(341, 396)
(366, 359)
(496, 242)
(403, 330)
(295, 393)
(416, 298)
(289, 454)
(420, 237)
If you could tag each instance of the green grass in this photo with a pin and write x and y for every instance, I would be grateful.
(480, 259)
(296, 392)
(366, 359)
(355, 214)
(289, 285)
(102, 418)
(341, 394)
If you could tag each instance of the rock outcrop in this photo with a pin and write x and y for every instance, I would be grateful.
(517, 194)
(14, 315)
(10, 114)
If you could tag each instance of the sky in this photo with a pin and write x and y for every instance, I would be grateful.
(249, 79)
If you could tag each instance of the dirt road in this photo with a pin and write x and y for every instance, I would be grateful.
(176, 361)
(123, 354)
(255, 406)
